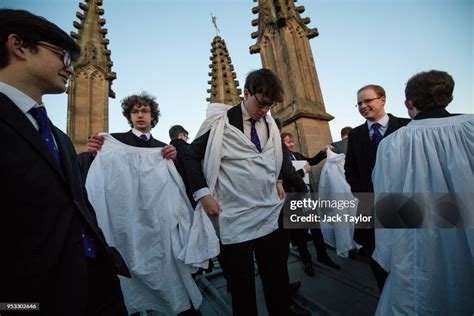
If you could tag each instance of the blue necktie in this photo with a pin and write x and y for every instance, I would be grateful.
(143, 136)
(45, 130)
(254, 136)
(41, 117)
(377, 136)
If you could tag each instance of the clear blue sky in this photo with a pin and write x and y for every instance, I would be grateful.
(162, 47)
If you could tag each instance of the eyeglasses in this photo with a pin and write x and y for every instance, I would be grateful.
(264, 104)
(366, 101)
(63, 54)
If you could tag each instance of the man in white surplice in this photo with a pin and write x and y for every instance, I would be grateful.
(238, 188)
(430, 268)
(141, 202)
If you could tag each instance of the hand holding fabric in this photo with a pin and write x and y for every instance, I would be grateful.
(169, 152)
(210, 205)
(94, 143)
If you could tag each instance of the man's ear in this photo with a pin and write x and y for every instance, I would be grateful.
(246, 94)
(409, 104)
(15, 48)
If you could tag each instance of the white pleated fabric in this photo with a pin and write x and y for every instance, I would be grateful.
(431, 270)
(333, 186)
(142, 208)
(242, 180)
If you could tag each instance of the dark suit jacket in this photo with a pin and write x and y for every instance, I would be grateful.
(44, 209)
(361, 153)
(130, 139)
(292, 180)
(181, 146)
(320, 156)
(197, 149)
(340, 147)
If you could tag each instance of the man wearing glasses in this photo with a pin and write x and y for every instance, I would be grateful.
(238, 188)
(360, 159)
(53, 252)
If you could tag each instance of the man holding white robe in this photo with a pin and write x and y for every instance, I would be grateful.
(239, 190)
(430, 269)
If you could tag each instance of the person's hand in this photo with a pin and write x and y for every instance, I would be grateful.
(169, 152)
(326, 147)
(210, 205)
(280, 190)
(307, 168)
(94, 143)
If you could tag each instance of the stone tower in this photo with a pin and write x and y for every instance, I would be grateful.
(91, 86)
(224, 87)
(283, 43)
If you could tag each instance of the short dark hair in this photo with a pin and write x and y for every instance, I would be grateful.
(286, 134)
(378, 89)
(345, 131)
(143, 99)
(175, 130)
(32, 29)
(430, 89)
(264, 81)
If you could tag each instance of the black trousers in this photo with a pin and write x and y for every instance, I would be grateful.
(300, 239)
(271, 258)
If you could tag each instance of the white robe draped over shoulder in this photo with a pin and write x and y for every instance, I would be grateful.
(242, 180)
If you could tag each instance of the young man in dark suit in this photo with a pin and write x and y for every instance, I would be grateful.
(54, 253)
(360, 159)
(252, 143)
(179, 139)
(142, 113)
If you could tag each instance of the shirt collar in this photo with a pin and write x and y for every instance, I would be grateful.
(245, 114)
(21, 100)
(383, 122)
(138, 133)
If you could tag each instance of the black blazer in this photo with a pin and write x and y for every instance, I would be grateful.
(130, 139)
(292, 180)
(44, 209)
(361, 154)
(181, 146)
(340, 147)
(197, 149)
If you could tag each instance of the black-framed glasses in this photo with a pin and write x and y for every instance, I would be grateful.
(366, 101)
(63, 54)
(264, 104)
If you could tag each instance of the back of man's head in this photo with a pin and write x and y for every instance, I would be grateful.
(32, 29)
(264, 81)
(175, 130)
(345, 131)
(430, 89)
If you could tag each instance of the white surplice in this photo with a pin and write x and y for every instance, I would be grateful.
(333, 186)
(142, 208)
(431, 270)
(249, 201)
